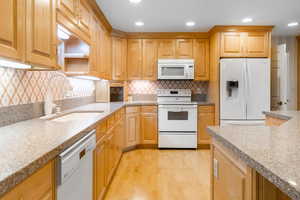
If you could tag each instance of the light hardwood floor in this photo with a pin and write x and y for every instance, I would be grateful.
(162, 175)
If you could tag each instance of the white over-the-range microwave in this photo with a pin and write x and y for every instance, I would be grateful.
(175, 69)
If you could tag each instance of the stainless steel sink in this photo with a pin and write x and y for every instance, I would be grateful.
(76, 115)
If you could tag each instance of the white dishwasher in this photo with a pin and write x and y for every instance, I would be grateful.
(75, 170)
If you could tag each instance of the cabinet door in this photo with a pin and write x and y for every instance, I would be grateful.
(69, 8)
(229, 182)
(232, 44)
(41, 33)
(99, 170)
(150, 59)
(204, 119)
(14, 194)
(201, 57)
(93, 49)
(117, 59)
(184, 48)
(84, 17)
(109, 157)
(12, 29)
(257, 44)
(149, 128)
(132, 129)
(108, 56)
(134, 59)
(166, 48)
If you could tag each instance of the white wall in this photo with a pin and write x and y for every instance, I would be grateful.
(291, 43)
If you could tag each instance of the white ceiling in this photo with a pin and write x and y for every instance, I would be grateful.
(171, 15)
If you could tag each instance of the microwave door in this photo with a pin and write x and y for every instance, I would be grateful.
(172, 71)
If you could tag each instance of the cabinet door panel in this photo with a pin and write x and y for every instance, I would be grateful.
(257, 44)
(99, 173)
(84, 17)
(205, 119)
(41, 32)
(201, 57)
(184, 48)
(132, 129)
(166, 48)
(149, 128)
(12, 29)
(230, 182)
(232, 44)
(117, 59)
(134, 59)
(69, 9)
(150, 59)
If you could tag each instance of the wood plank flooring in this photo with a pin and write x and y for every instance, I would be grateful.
(151, 174)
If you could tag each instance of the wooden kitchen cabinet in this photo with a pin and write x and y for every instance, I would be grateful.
(272, 121)
(39, 186)
(149, 66)
(99, 170)
(12, 29)
(84, 17)
(201, 58)
(69, 8)
(119, 58)
(245, 44)
(132, 125)
(134, 59)
(257, 44)
(206, 117)
(149, 125)
(184, 48)
(104, 54)
(166, 48)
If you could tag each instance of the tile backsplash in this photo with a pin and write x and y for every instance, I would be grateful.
(24, 87)
(150, 87)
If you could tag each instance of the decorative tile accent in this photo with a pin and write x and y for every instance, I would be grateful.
(150, 87)
(25, 87)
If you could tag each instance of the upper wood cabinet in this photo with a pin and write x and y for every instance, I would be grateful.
(201, 57)
(69, 8)
(12, 29)
(245, 44)
(150, 49)
(184, 48)
(39, 186)
(104, 54)
(134, 59)
(257, 44)
(166, 48)
(41, 33)
(119, 58)
(84, 16)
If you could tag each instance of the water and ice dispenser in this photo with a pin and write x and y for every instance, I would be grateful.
(232, 87)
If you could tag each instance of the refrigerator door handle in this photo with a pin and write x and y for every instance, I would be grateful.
(246, 86)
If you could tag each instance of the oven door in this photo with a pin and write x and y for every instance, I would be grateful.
(177, 118)
(172, 71)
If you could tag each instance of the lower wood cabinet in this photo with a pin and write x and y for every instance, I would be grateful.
(99, 171)
(132, 125)
(206, 117)
(39, 186)
(149, 130)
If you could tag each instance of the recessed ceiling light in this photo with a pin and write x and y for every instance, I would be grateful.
(293, 24)
(190, 23)
(135, 1)
(247, 20)
(139, 23)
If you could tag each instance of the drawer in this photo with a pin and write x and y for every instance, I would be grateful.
(206, 109)
(110, 121)
(149, 109)
(133, 109)
(101, 129)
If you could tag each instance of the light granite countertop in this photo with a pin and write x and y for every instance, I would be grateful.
(27, 146)
(272, 151)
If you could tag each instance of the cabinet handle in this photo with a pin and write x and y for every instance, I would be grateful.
(216, 168)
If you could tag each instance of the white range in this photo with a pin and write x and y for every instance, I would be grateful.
(177, 119)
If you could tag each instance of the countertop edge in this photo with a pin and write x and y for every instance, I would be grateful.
(277, 115)
(273, 178)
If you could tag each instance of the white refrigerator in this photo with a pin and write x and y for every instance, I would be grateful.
(244, 91)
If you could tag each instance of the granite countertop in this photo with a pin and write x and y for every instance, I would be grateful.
(27, 146)
(274, 152)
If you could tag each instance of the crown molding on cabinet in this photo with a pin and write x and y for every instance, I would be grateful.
(118, 33)
(100, 15)
(236, 28)
(167, 35)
